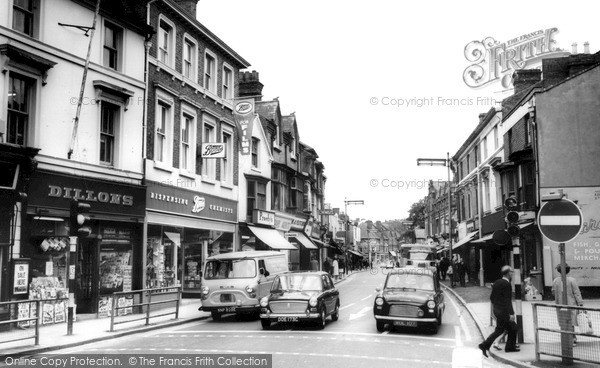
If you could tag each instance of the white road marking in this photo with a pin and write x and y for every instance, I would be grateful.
(457, 336)
(461, 319)
(298, 334)
(367, 297)
(347, 306)
(359, 314)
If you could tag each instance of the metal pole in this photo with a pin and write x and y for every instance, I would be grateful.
(516, 241)
(566, 339)
(450, 217)
(536, 332)
(83, 79)
(72, 264)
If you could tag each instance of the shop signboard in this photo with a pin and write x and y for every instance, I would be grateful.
(51, 190)
(263, 217)
(213, 150)
(168, 197)
(285, 222)
(20, 276)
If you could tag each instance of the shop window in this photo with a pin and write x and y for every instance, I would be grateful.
(162, 253)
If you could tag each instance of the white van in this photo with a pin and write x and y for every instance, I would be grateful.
(235, 282)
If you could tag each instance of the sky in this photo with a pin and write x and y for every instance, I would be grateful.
(377, 84)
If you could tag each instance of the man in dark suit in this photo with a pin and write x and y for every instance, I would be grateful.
(501, 299)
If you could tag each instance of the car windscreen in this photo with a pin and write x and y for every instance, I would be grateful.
(230, 269)
(421, 256)
(409, 281)
(298, 283)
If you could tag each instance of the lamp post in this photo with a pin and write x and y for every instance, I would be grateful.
(443, 162)
(346, 203)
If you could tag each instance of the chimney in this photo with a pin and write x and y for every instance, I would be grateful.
(525, 78)
(250, 86)
(189, 6)
(586, 47)
(574, 48)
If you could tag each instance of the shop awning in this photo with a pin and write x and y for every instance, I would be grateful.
(305, 241)
(319, 243)
(356, 253)
(271, 237)
(488, 237)
(441, 249)
(464, 240)
(174, 237)
(392, 253)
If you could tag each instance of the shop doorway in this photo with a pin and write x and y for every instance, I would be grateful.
(87, 292)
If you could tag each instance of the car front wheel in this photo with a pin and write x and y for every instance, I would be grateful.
(380, 326)
(216, 316)
(265, 323)
(336, 314)
(322, 319)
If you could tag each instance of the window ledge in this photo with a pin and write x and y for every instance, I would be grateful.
(209, 181)
(187, 174)
(162, 166)
(255, 169)
(226, 185)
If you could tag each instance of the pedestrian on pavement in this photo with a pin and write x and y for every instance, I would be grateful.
(327, 266)
(336, 268)
(573, 295)
(501, 298)
(314, 264)
(444, 264)
(462, 271)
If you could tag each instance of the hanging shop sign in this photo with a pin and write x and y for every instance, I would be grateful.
(168, 198)
(50, 190)
(243, 112)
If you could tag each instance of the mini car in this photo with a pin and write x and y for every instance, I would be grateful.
(411, 297)
(301, 297)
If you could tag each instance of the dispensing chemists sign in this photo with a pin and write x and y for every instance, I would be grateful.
(243, 112)
(560, 220)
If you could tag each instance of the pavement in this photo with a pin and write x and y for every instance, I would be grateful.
(89, 329)
(476, 301)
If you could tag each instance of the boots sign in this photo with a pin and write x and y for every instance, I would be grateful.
(213, 150)
(243, 112)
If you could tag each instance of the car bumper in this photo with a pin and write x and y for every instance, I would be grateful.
(406, 319)
(231, 309)
(300, 316)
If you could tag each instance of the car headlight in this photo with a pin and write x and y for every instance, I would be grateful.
(379, 301)
(264, 302)
(431, 304)
(205, 290)
(313, 302)
(249, 289)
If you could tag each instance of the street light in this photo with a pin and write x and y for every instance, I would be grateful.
(346, 203)
(443, 162)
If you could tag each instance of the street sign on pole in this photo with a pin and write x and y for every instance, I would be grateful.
(560, 221)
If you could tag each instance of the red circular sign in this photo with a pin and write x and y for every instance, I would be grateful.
(560, 221)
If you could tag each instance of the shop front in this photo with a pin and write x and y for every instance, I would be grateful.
(107, 260)
(183, 228)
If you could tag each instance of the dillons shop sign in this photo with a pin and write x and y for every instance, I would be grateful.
(494, 61)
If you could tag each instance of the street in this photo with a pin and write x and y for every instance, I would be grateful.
(352, 341)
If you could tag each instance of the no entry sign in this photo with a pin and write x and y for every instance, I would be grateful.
(560, 221)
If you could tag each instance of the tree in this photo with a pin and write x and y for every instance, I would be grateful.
(416, 214)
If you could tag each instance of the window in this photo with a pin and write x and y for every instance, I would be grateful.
(166, 42)
(209, 72)
(227, 83)
(189, 59)
(484, 148)
(23, 16)
(468, 161)
(187, 129)
(208, 165)
(19, 101)
(257, 197)
(255, 142)
(495, 137)
(227, 161)
(112, 45)
(279, 190)
(163, 124)
(109, 115)
(476, 152)
(294, 193)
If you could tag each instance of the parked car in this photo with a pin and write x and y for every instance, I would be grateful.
(299, 297)
(235, 282)
(411, 297)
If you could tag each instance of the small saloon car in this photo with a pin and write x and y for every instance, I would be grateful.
(411, 297)
(300, 297)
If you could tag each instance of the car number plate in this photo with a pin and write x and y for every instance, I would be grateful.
(405, 323)
(225, 310)
(287, 319)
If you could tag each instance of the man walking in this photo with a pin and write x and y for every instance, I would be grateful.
(501, 299)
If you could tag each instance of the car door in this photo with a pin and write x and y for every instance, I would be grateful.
(326, 294)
